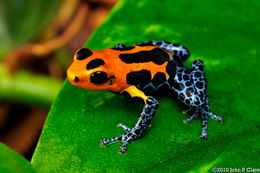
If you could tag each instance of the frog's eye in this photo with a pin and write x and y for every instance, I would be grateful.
(83, 53)
(98, 77)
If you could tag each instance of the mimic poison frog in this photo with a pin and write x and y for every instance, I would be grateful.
(138, 70)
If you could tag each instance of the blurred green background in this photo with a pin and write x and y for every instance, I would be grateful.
(37, 43)
(35, 53)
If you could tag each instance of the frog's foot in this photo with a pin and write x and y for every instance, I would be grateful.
(130, 135)
(195, 115)
(203, 114)
(200, 113)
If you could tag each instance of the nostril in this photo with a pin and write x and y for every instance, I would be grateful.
(76, 79)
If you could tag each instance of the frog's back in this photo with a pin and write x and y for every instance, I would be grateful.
(146, 66)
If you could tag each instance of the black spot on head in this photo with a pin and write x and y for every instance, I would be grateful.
(123, 48)
(83, 53)
(159, 78)
(157, 55)
(95, 63)
(139, 78)
(98, 77)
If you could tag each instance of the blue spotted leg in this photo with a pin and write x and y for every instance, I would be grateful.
(120, 45)
(140, 127)
(191, 88)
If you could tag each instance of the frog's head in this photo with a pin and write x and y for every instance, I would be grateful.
(89, 70)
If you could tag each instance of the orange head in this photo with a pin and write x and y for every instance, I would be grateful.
(89, 70)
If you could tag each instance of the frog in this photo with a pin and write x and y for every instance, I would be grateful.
(139, 70)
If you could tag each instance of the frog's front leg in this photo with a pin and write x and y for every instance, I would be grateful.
(131, 134)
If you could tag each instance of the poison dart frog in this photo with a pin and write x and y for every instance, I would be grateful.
(138, 70)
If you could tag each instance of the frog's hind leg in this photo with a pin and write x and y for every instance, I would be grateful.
(180, 53)
(191, 88)
(119, 46)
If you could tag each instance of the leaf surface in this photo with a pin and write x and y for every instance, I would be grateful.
(224, 35)
(11, 161)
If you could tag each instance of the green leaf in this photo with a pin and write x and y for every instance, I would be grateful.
(37, 90)
(11, 161)
(21, 21)
(223, 34)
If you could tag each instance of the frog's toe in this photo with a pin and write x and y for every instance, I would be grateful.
(216, 117)
(188, 110)
(194, 116)
(123, 126)
(130, 135)
(122, 149)
(204, 136)
(106, 141)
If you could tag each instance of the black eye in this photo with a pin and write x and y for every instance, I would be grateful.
(98, 77)
(83, 53)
